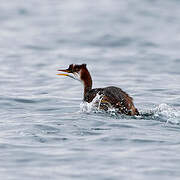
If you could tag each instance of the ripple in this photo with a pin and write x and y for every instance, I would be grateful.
(146, 141)
(111, 41)
(37, 48)
(100, 129)
(44, 134)
(120, 125)
(46, 128)
(21, 100)
(87, 133)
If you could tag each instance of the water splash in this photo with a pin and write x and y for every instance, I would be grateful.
(95, 107)
(92, 106)
(167, 113)
(162, 112)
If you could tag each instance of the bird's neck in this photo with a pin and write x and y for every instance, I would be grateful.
(87, 80)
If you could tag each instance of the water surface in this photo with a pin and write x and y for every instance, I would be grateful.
(44, 131)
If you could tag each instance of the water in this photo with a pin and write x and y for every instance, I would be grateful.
(45, 130)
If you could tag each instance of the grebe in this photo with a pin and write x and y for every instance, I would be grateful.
(110, 96)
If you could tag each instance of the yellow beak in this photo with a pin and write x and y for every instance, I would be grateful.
(62, 74)
(64, 70)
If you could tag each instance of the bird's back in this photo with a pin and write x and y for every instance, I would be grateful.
(114, 97)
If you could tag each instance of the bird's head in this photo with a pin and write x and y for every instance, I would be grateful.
(73, 71)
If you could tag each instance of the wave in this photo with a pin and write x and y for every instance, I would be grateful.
(163, 112)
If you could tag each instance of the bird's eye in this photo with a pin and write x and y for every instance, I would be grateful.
(76, 69)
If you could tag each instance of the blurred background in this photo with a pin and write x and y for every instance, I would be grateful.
(125, 43)
(132, 44)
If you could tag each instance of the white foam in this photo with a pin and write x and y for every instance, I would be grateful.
(92, 106)
(162, 112)
(167, 112)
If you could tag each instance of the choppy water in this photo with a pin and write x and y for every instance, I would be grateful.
(45, 130)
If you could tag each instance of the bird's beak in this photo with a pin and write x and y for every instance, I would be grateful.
(63, 74)
(64, 70)
(67, 71)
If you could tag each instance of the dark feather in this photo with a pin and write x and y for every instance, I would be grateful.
(115, 97)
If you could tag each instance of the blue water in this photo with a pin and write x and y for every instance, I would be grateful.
(45, 130)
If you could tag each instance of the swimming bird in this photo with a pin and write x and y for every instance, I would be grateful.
(111, 96)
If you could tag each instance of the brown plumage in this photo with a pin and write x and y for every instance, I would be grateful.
(111, 96)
